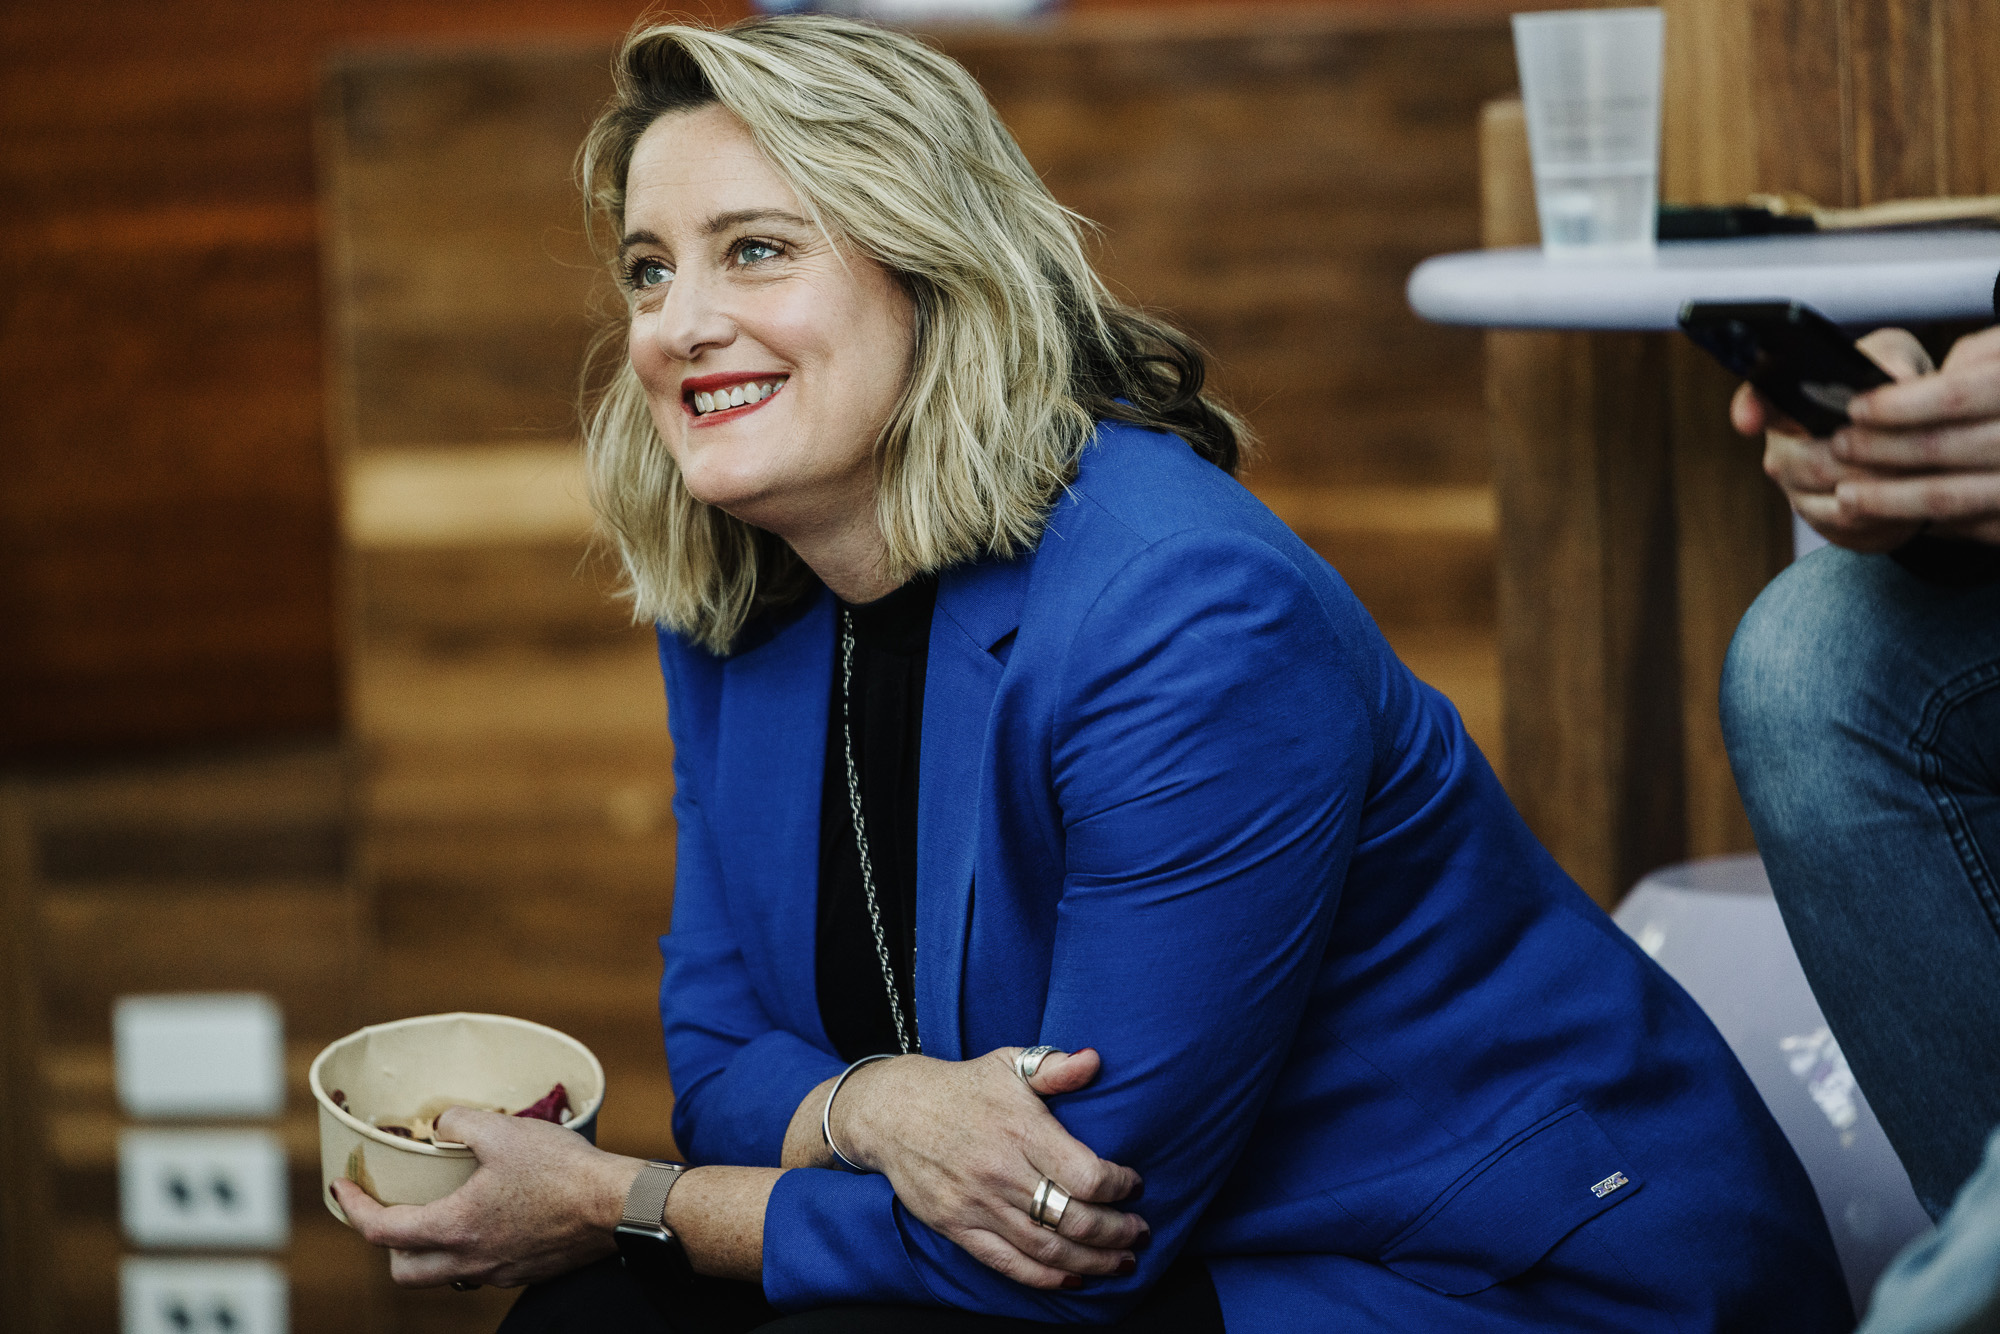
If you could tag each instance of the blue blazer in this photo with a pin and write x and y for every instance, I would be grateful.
(1379, 1061)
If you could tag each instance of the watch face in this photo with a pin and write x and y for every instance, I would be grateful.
(655, 1233)
(655, 1256)
(648, 1249)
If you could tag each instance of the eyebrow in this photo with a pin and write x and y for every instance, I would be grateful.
(721, 222)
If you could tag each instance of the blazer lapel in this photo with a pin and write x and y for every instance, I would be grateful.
(977, 606)
(766, 821)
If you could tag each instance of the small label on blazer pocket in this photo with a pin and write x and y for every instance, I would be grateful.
(1508, 1212)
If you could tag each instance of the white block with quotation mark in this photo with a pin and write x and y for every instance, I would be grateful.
(202, 1297)
(203, 1188)
(199, 1054)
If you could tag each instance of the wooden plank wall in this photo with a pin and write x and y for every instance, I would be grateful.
(230, 873)
(166, 568)
(166, 534)
(1848, 101)
(1588, 659)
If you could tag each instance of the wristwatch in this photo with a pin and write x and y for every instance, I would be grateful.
(646, 1245)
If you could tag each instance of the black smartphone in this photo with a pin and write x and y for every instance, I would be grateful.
(1797, 358)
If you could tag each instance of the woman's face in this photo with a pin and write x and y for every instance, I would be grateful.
(771, 360)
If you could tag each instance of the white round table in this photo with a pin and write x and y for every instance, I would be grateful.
(1854, 278)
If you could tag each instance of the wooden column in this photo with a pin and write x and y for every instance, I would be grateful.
(1733, 529)
(1970, 124)
(1733, 534)
(26, 1297)
(1849, 101)
(1588, 627)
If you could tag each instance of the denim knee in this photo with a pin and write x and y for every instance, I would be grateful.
(1806, 654)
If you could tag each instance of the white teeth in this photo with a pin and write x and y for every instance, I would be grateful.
(735, 396)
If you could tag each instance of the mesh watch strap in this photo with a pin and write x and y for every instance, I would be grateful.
(646, 1202)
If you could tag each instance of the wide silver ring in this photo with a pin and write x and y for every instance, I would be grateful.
(1030, 1060)
(1051, 1202)
(462, 1285)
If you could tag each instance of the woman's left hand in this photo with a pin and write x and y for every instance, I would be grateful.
(542, 1201)
(965, 1143)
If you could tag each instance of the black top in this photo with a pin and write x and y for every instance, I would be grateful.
(1950, 562)
(891, 647)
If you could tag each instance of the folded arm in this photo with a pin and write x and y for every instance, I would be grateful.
(1209, 763)
(962, 1145)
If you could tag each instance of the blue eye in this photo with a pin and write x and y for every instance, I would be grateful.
(643, 273)
(755, 252)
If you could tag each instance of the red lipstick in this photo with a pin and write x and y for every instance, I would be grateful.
(722, 383)
(708, 384)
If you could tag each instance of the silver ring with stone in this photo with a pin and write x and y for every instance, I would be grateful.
(1051, 1202)
(1030, 1060)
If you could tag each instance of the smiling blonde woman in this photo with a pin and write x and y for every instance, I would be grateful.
(1019, 351)
(1051, 819)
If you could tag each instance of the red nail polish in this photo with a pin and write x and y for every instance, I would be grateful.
(1073, 1281)
(1126, 1266)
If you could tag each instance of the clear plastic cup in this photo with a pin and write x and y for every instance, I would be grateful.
(1590, 84)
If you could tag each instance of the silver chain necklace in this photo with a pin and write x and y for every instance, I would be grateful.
(861, 830)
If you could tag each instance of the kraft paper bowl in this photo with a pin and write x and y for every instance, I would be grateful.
(390, 1072)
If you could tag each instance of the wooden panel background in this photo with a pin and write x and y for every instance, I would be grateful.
(168, 561)
(166, 535)
(227, 873)
(166, 569)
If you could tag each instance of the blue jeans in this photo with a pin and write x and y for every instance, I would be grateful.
(1862, 710)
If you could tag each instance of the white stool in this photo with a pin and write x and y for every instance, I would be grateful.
(1715, 928)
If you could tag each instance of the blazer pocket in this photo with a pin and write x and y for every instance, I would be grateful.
(1512, 1209)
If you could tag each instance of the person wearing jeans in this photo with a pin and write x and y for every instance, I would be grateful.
(1861, 706)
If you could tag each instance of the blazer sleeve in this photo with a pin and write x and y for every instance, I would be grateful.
(738, 1077)
(1210, 753)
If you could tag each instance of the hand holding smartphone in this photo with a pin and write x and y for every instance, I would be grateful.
(1796, 358)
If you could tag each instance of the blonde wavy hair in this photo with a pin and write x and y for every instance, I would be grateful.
(1019, 348)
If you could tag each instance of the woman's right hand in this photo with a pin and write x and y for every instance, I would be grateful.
(965, 1144)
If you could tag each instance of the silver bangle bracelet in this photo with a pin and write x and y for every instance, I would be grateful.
(826, 1112)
